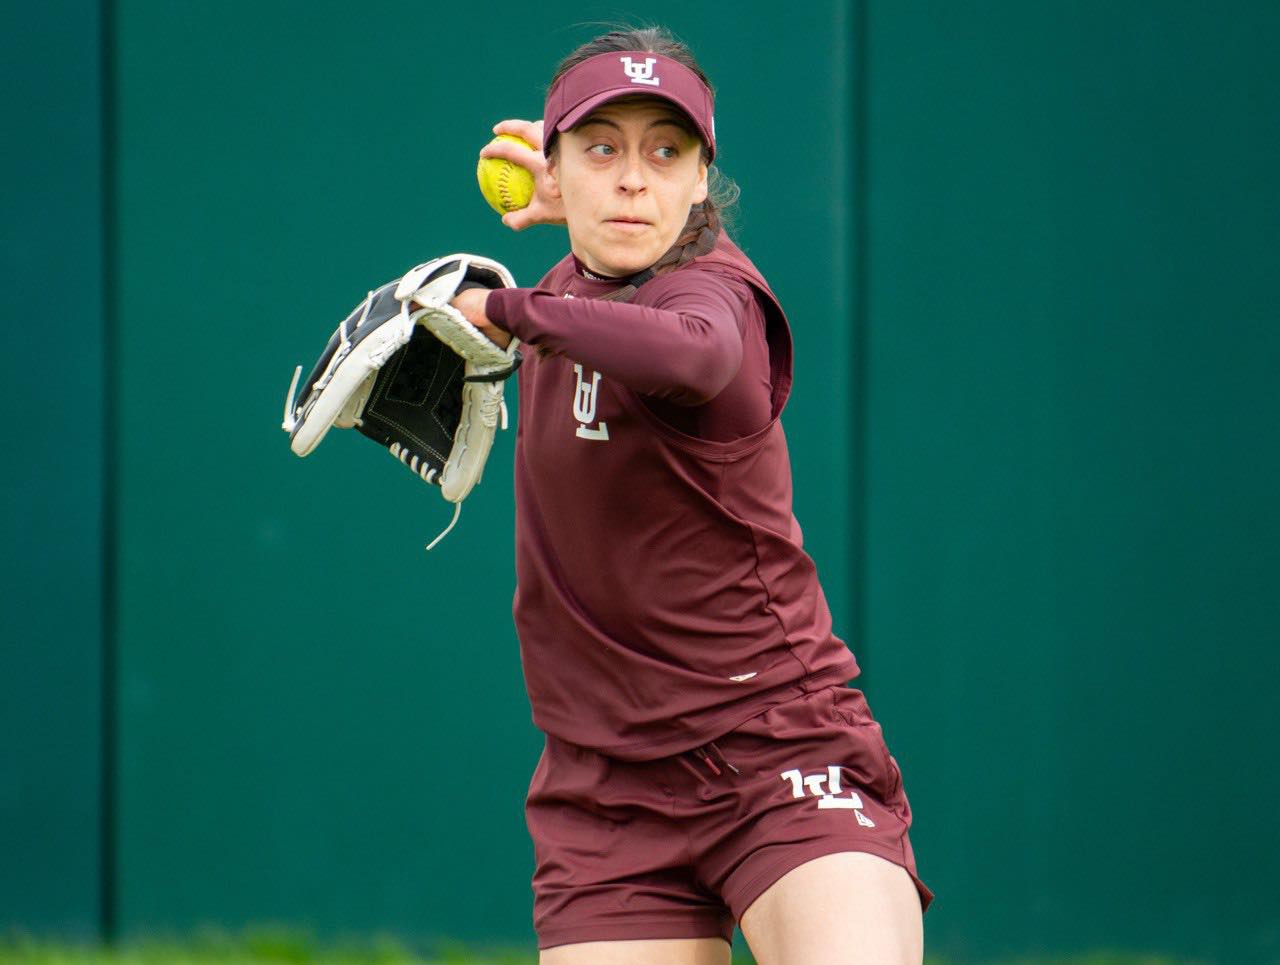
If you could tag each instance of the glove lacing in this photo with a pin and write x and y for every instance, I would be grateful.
(457, 511)
(492, 407)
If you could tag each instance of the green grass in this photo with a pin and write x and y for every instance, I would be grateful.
(254, 946)
(280, 946)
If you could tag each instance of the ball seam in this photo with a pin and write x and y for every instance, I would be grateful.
(504, 175)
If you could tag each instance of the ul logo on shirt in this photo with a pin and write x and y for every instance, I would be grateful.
(584, 407)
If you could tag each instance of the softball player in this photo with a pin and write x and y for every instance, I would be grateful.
(705, 763)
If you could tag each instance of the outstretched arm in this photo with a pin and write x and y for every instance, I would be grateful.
(685, 347)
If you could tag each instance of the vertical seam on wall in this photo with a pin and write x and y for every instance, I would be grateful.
(858, 70)
(842, 258)
(107, 877)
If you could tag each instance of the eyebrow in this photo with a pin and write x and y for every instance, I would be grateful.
(666, 120)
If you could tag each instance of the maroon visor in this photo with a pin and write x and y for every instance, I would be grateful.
(601, 78)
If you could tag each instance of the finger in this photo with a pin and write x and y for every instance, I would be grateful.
(530, 131)
(513, 152)
(516, 220)
(517, 125)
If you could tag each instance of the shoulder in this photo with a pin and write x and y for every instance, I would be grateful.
(727, 268)
(709, 288)
(700, 284)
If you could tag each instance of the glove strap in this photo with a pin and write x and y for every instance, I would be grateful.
(498, 376)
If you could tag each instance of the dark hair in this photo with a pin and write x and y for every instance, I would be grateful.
(706, 220)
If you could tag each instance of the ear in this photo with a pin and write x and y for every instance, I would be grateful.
(553, 177)
(700, 189)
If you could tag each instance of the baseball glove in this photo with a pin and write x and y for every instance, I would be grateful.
(408, 370)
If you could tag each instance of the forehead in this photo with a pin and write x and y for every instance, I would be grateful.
(646, 111)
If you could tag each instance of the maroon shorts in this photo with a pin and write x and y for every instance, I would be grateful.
(680, 847)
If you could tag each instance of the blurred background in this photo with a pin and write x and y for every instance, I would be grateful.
(1030, 256)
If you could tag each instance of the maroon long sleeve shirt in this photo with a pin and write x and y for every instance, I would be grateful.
(663, 594)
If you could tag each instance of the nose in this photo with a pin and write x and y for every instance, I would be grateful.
(631, 179)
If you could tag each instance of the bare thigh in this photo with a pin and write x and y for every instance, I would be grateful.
(849, 908)
(656, 951)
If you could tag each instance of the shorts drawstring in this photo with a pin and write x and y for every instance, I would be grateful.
(706, 759)
(723, 760)
(684, 762)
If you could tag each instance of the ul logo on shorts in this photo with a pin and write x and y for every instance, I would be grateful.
(641, 73)
(827, 798)
(584, 407)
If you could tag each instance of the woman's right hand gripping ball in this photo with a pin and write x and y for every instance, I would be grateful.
(543, 209)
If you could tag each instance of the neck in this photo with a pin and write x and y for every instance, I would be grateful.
(595, 276)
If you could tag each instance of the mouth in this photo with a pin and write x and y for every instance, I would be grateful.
(628, 224)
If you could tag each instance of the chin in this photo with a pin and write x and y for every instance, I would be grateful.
(630, 262)
(631, 268)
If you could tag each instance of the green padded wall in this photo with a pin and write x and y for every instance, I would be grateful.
(51, 639)
(319, 722)
(1072, 466)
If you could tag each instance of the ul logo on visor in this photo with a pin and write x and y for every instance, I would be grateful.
(641, 73)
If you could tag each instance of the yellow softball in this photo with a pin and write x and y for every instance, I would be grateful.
(506, 186)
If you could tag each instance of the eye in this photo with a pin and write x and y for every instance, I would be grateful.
(605, 146)
(674, 151)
